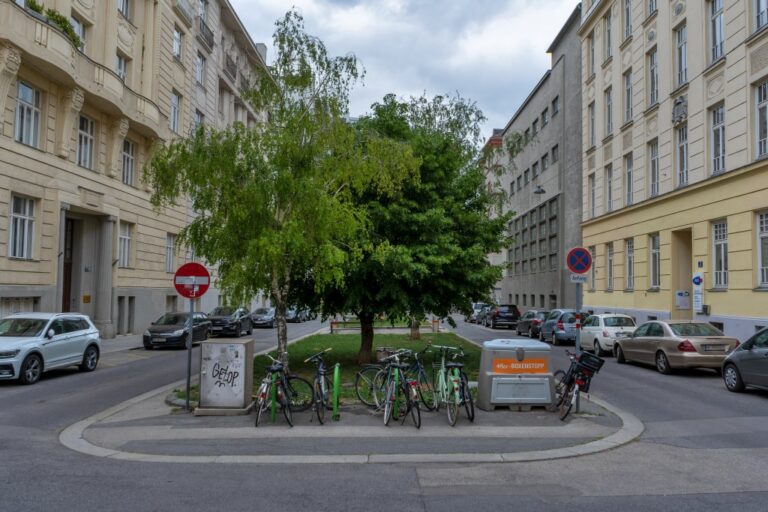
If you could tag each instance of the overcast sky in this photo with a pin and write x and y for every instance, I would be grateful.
(490, 51)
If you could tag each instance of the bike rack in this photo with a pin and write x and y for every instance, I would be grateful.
(273, 392)
(336, 391)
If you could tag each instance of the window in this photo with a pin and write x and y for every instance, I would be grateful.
(175, 111)
(627, 18)
(629, 264)
(628, 183)
(653, 159)
(655, 270)
(124, 245)
(762, 247)
(121, 67)
(682, 154)
(762, 119)
(591, 52)
(555, 153)
(22, 227)
(628, 96)
(609, 266)
(203, 9)
(555, 106)
(526, 176)
(199, 118)
(519, 183)
(609, 111)
(591, 121)
(718, 139)
(129, 162)
(123, 7)
(653, 77)
(85, 142)
(593, 269)
(720, 253)
(544, 163)
(762, 13)
(681, 55)
(608, 50)
(27, 114)
(592, 201)
(609, 188)
(535, 169)
(535, 126)
(717, 28)
(79, 28)
(170, 244)
(178, 42)
(200, 69)
(651, 7)
(544, 117)
(512, 188)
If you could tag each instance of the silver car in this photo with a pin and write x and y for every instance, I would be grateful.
(748, 364)
(33, 343)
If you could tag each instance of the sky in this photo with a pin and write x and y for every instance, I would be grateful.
(492, 52)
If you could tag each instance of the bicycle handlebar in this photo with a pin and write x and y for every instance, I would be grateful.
(318, 354)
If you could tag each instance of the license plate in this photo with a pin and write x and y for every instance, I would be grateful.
(158, 340)
(714, 348)
(216, 328)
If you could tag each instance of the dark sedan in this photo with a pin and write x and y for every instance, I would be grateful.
(530, 323)
(230, 320)
(747, 366)
(505, 315)
(263, 317)
(172, 330)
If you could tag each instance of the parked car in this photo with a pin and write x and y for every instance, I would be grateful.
(505, 315)
(293, 315)
(747, 366)
(476, 308)
(560, 326)
(172, 330)
(530, 323)
(263, 317)
(480, 317)
(675, 344)
(230, 320)
(599, 332)
(33, 343)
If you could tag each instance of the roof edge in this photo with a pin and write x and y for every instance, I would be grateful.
(576, 14)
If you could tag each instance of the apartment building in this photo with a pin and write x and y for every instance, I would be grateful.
(79, 118)
(675, 185)
(542, 182)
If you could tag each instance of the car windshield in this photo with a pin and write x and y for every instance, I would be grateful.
(172, 319)
(222, 311)
(262, 311)
(618, 321)
(22, 326)
(542, 314)
(695, 329)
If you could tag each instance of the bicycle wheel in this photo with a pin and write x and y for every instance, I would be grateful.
(466, 398)
(452, 405)
(559, 378)
(427, 393)
(364, 385)
(320, 399)
(284, 399)
(567, 401)
(328, 401)
(261, 402)
(412, 397)
(389, 402)
(300, 393)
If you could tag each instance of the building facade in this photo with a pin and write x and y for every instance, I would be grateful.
(542, 182)
(79, 117)
(675, 186)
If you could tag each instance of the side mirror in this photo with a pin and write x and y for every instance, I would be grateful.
(50, 334)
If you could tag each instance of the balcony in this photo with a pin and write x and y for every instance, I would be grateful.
(245, 84)
(205, 34)
(230, 68)
(184, 10)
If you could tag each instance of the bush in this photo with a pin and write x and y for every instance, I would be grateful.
(62, 22)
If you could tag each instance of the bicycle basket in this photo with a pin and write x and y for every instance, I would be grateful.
(384, 352)
(590, 362)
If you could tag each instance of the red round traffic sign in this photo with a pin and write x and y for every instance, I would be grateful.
(579, 260)
(192, 280)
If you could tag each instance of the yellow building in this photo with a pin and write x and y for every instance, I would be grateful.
(675, 179)
(77, 231)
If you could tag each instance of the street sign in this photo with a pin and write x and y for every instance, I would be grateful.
(192, 280)
(579, 260)
(698, 292)
(579, 278)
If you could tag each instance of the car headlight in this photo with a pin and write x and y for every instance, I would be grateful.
(8, 354)
(147, 334)
(179, 332)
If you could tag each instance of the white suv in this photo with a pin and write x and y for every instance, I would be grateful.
(32, 343)
(599, 332)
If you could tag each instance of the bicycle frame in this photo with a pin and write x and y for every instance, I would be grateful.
(446, 378)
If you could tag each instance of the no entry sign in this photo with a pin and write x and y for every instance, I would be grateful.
(192, 280)
(579, 260)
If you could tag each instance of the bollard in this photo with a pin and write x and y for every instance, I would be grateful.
(336, 391)
(273, 413)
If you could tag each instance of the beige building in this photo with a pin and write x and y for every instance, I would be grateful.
(675, 169)
(77, 231)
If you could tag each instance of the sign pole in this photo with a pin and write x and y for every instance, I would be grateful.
(189, 349)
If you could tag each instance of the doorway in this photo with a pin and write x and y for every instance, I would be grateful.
(682, 272)
(66, 294)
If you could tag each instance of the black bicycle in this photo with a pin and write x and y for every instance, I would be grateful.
(370, 381)
(321, 386)
(400, 396)
(577, 379)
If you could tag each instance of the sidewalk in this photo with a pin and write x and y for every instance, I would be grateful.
(118, 343)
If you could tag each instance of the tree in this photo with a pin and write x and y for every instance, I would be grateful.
(275, 200)
(426, 246)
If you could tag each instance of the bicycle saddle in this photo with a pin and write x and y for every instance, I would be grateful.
(454, 365)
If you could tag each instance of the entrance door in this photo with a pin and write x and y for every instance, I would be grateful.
(682, 273)
(66, 294)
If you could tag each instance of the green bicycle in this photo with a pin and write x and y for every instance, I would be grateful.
(452, 384)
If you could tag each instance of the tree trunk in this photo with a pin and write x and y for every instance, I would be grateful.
(415, 334)
(366, 338)
(280, 296)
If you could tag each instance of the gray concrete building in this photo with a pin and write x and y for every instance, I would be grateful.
(543, 182)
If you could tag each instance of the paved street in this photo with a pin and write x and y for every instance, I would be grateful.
(704, 449)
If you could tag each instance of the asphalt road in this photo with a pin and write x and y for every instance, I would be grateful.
(705, 449)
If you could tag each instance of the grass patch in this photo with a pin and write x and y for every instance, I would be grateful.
(400, 324)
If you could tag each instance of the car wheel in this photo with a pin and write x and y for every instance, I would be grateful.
(619, 354)
(597, 349)
(732, 379)
(90, 359)
(250, 328)
(31, 369)
(662, 363)
(147, 347)
(554, 339)
(239, 330)
(272, 324)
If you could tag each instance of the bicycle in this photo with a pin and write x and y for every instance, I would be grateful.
(398, 387)
(577, 379)
(297, 391)
(452, 386)
(321, 386)
(370, 380)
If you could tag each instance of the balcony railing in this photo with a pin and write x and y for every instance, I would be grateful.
(206, 34)
(184, 10)
(230, 68)
(245, 84)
